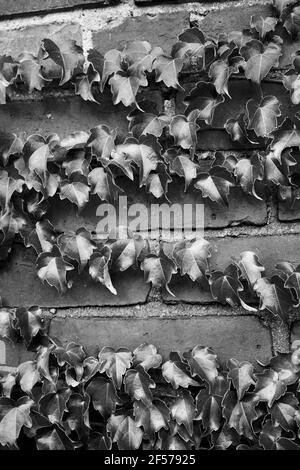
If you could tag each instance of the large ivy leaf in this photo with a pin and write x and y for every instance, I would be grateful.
(150, 121)
(236, 128)
(102, 141)
(14, 415)
(204, 99)
(263, 115)
(77, 418)
(203, 363)
(146, 356)
(242, 376)
(220, 72)
(27, 376)
(183, 410)
(269, 387)
(158, 270)
(263, 25)
(239, 414)
(184, 130)
(176, 372)
(273, 296)
(138, 384)
(103, 184)
(181, 164)
(285, 411)
(286, 136)
(126, 251)
(52, 268)
(76, 246)
(167, 70)
(114, 363)
(152, 417)
(250, 266)
(103, 395)
(125, 432)
(192, 258)
(54, 405)
(259, 59)
(75, 190)
(41, 236)
(248, 172)
(29, 322)
(67, 57)
(209, 410)
(215, 184)
(191, 43)
(158, 181)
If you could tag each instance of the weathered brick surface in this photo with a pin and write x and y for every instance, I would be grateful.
(14, 7)
(242, 337)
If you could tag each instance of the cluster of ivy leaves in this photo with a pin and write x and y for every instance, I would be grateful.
(66, 400)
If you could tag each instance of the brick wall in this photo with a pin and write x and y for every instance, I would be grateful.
(89, 313)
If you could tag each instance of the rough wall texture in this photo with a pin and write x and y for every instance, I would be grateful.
(89, 313)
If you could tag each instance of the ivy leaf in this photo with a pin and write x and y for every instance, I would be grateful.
(204, 99)
(54, 405)
(147, 122)
(54, 439)
(203, 363)
(99, 441)
(167, 70)
(270, 434)
(183, 410)
(259, 59)
(247, 172)
(73, 355)
(27, 376)
(76, 161)
(98, 267)
(158, 270)
(215, 184)
(146, 356)
(67, 57)
(29, 322)
(282, 5)
(126, 251)
(184, 130)
(269, 387)
(103, 184)
(286, 366)
(30, 72)
(220, 72)
(191, 258)
(241, 375)
(181, 165)
(263, 115)
(103, 395)
(291, 81)
(225, 438)
(152, 417)
(158, 181)
(226, 287)
(52, 268)
(114, 363)
(191, 43)
(124, 88)
(75, 190)
(128, 435)
(77, 246)
(176, 372)
(292, 22)
(138, 384)
(250, 266)
(77, 418)
(237, 130)
(273, 296)
(285, 137)
(84, 84)
(14, 415)
(10, 144)
(102, 141)
(275, 172)
(239, 414)
(8, 186)
(284, 412)
(209, 410)
(263, 25)
(292, 277)
(41, 236)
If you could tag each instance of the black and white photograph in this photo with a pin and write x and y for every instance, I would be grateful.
(149, 229)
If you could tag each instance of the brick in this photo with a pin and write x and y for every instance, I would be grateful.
(21, 286)
(28, 38)
(12, 7)
(241, 337)
(159, 29)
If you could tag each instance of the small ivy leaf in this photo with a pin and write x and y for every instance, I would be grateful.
(38, 161)
(103, 184)
(285, 411)
(292, 22)
(263, 115)
(146, 356)
(127, 435)
(114, 363)
(291, 277)
(76, 162)
(77, 246)
(103, 395)
(269, 387)
(215, 184)
(250, 266)
(269, 435)
(41, 236)
(239, 414)
(27, 376)
(124, 88)
(286, 136)
(152, 417)
(125, 252)
(181, 165)
(84, 84)
(99, 270)
(247, 172)
(203, 363)
(241, 375)
(29, 322)
(192, 258)
(158, 270)
(263, 25)
(167, 70)
(10, 144)
(183, 410)
(14, 415)
(102, 141)
(236, 128)
(73, 355)
(220, 72)
(209, 410)
(204, 99)
(30, 72)
(8, 186)
(176, 372)
(184, 130)
(259, 59)
(54, 439)
(7, 325)
(157, 182)
(75, 190)
(54, 405)
(77, 418)
(147, 122)
(273, 296)
(52, 268)
(145, 153)
(68, 57)
(191, 43)
(138, 384)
